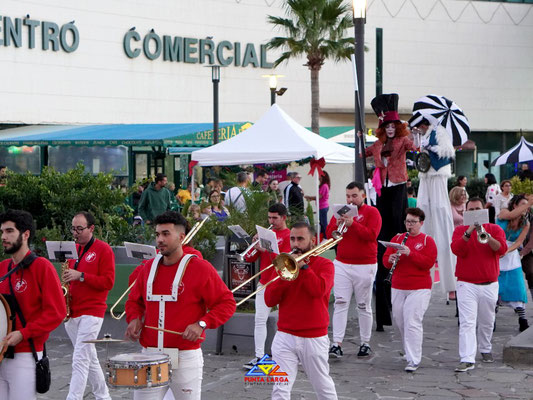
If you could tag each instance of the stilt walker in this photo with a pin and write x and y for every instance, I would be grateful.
(389, 181)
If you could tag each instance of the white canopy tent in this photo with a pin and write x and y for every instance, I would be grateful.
(274, 138)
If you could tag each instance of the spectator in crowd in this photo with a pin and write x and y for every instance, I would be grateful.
(185, 195)
(323, 201)
(235, 195)
(461, 181)
(205, 210)
(155, 199)
(261, 178)
(408, 183)
(136, 198)
(217, 206)
(502, 199)
(293, 195)
(458, 203)
(3, 174)
(512, 289)
(274, 194)
(525, 173)
(493, 189)
(194, 212)
(209, 186)
(411, 199)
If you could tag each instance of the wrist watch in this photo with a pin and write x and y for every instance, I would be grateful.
(467, 235)
(303, 267)
(202, 324)
(82, 277)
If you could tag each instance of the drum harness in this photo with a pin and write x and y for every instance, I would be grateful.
(163, 298)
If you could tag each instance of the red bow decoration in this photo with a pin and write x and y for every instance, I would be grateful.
(317, 165)
(191, 166)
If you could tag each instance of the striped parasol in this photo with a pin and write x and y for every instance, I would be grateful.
(443, 111)
(521, 152)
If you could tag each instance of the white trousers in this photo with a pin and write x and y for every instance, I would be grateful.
(288, 350)
(186, 382)
(408, 309)
(17, 377)
(433, 200)
(262, 311)
(353, 279)
(476, 303)
(85, 364)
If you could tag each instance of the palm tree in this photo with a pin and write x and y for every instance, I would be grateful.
(316, 30)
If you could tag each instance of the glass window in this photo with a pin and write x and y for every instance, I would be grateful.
(21, 159)
(108, 159)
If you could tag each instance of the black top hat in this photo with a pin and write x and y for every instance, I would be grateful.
(386, 108)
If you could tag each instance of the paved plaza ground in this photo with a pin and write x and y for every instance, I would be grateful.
(379, 377)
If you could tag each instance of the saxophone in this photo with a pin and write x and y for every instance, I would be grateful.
(66, 288)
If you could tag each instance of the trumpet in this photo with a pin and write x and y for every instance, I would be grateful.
(240, 256)
(482, 235)
(188, 237)
(287, 265)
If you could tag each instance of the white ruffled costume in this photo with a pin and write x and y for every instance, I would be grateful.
(434, 201)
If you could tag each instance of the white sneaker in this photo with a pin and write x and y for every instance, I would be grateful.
(411, 367)
(250, 364)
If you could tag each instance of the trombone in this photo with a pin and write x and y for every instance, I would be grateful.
(240, 256)
(287, 265)
(188, 237)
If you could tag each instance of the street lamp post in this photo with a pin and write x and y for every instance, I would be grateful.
(359, 19)
(273, 84)
(215, 78)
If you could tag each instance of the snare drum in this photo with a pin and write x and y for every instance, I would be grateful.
(6, 324)
(138, 370)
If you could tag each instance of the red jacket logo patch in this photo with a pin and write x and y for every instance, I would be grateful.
(360, 217)
(90, 257)
(21, 286)
(419, 246)
(181, 288)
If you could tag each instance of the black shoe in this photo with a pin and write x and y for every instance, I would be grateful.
(335, 352)
(379, 328)
(364, 350)
(523, 324)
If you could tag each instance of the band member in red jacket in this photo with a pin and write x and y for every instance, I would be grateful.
(477, 270)
(37, 290)
(355, 269)
(303, 319)
(411, 283)
(277, 217)
(91, 277)
(176, 292)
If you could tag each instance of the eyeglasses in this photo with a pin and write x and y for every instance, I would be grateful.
(411, 221)
(78, 229)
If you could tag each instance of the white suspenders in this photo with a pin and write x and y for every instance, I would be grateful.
(162, 298)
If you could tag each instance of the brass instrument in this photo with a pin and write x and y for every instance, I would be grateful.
(287, 265)
(66, 289)
(194, 230)
(241, 255)
(188, 237)
(482, 235)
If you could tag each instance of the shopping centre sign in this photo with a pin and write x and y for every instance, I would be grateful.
(19, 32)
(194, 51)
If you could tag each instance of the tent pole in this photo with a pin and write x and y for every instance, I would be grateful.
(193, 189)
(317, 213)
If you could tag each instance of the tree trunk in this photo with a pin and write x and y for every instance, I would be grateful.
(315, 101)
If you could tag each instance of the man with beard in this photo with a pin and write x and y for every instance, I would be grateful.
(42, 313)
(303, 319)
(91, 277)
(355, 269)
(178, 292)
(277, 217)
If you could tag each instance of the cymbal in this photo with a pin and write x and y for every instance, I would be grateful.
(104, 340)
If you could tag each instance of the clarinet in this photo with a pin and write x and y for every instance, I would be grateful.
(388, 279)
